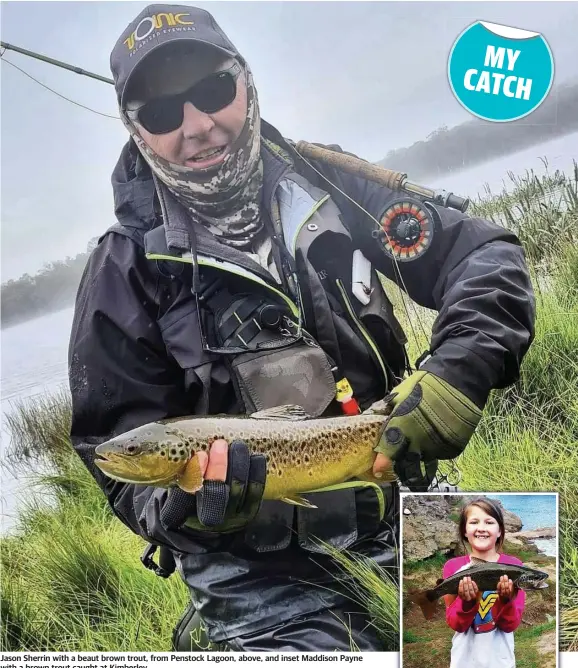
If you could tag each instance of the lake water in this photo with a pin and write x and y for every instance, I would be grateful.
(34, 354)
(470, 182)
(34, 362)
(537, 511)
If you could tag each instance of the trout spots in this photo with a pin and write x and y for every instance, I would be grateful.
(194, 444)
(177, 455)
(299, 455)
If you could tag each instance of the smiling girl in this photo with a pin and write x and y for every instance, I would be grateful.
(484, 621)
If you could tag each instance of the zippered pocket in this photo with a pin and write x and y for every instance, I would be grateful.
(366, 336)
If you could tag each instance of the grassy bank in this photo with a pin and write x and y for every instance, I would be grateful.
(71, 578)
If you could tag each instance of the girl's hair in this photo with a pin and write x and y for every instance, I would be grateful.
(488, 506)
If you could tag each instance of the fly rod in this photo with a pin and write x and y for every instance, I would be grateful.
(52, 61)
(385, 177)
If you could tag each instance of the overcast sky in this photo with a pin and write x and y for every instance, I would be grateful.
(370, 76)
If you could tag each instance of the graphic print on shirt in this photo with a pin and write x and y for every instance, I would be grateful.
(483, 621)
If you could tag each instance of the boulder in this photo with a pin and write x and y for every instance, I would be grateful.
(511, 521)
(547, 532)
(427, 529)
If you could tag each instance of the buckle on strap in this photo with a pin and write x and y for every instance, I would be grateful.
(164, 570)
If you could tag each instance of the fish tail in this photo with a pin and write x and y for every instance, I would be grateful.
(426, 600)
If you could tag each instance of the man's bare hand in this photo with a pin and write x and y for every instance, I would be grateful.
(214, 464)
(382, 467)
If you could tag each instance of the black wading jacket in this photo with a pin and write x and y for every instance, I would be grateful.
(135, 353)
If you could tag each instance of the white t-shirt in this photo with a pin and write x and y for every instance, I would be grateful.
(494, 649)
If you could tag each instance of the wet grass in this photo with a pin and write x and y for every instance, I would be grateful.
(71, 581)
(541, 210)
(376, 589)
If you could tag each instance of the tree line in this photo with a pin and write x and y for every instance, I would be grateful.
(445, 151)
(465, 145)
(52, 288)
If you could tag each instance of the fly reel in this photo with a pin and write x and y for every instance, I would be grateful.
(407, 229)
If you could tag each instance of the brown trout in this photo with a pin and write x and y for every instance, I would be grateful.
(486, 575)
(303, 454)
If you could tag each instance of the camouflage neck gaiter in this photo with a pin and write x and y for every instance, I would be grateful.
(226, 200)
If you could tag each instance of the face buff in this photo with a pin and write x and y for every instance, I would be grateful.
(225, 200)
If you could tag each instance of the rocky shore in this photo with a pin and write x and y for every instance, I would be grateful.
(430, 527)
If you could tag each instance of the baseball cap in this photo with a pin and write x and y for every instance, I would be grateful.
(156, 26)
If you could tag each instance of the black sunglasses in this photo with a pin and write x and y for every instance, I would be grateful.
(211, 94)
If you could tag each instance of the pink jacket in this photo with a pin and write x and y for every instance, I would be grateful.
(507, 617)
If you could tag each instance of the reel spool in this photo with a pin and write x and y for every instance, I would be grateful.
(407, 229)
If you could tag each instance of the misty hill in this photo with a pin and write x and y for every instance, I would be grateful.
(52, 288)
(478, 141)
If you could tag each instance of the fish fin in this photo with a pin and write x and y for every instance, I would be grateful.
(381, 407)
(449, 599)
(356, 483)
(191, 480)
(298, 501)
(423, 599)
(476, 561)
(288, 412)
(439, 581)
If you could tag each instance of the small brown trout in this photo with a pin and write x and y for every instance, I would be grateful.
(486, 575)
(303, 454)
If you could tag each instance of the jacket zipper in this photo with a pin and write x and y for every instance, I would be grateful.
(366, 335)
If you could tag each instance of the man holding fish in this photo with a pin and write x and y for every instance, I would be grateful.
(241, 279)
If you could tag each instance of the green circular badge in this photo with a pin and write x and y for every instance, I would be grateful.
(500, 73)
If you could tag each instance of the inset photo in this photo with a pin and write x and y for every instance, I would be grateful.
(479, 580)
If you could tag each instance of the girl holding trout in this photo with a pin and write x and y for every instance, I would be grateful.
(483, 620)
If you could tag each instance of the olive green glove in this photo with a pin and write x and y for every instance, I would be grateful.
(430, 418)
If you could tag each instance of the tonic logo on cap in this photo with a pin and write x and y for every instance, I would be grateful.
(500, 73)
(151, 23)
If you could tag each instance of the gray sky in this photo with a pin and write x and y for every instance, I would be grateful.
(370, 76)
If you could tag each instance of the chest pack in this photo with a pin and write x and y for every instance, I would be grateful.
(331, 344)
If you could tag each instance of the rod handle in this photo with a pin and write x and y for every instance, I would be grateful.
(353, 165)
